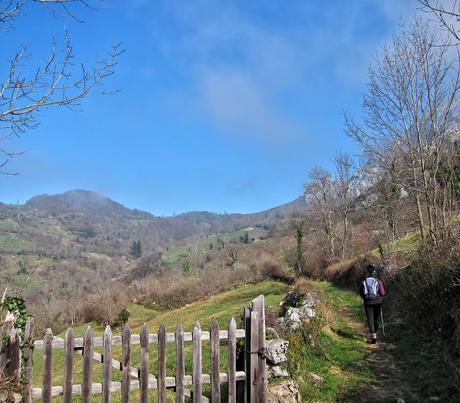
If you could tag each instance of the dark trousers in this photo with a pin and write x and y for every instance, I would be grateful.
(373, 312)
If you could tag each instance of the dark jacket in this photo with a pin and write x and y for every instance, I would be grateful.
(381, 293)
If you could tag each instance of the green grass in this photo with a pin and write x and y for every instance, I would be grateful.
(203, 245)
(221, 307)
(13, 241)
(336, 353)
(350, 368)
(7, 224)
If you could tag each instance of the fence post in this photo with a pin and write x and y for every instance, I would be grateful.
(258, 305)
(10, 357)
(87, 386)
(47, 366)
(162, 364)
(253, 360)
(68, 365)
(197, 364)
(247, 355)
(126, 364)
(232, 361)
(107, 362)
(28, 360)
(215, 362)
(180, 365)
(144, 378)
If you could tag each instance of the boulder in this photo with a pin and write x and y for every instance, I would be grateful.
(284, 392)
(276, 350)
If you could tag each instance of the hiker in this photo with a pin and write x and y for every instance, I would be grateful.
(371, 292)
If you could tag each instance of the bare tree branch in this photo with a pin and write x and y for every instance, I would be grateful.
(56, 82)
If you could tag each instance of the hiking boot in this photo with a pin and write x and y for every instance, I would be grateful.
(374, 338)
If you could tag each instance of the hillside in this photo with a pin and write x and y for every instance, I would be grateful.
(59, 249)
(80, 220)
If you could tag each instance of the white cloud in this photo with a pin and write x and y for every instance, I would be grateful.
(238, 104)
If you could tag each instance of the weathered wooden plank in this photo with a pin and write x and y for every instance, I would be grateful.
(253, 359)
(180, 365)
(126, 365)
(197, 364)
(47, 366)
(87, 366)
(232, 362)
(215, 362)
(162, 364)
(247, 355)
(68, 366)
(13, 357)
(107, 368)
(58, 343)
(97, 388)
(258, 305)
(144, 378)
(28, 360)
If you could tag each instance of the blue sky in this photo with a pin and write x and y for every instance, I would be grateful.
(223, 105)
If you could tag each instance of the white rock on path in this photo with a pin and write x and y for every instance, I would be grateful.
(316, 379)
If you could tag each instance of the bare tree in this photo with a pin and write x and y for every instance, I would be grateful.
(409, 109)
(447, 15)
(344, 184)
(321, 194)
(57, 82)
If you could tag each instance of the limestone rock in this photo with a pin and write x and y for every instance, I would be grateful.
(284, 392)
(276, 351)
(316, 379)
(310, 300)
(277, 371)
(294, 317)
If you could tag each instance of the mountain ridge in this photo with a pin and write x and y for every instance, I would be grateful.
(88, 221)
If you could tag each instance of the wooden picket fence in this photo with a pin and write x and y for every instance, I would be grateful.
(248, 383)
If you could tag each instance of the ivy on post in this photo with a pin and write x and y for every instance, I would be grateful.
(13, 319)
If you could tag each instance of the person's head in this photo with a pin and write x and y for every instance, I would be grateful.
(370, 269)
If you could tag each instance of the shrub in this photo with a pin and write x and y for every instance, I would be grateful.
(426, 297)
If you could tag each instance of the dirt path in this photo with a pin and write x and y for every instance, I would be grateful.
(392, 383)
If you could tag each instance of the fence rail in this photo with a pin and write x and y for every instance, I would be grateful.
(250, 377)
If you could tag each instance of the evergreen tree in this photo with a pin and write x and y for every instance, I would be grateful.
(136, 249)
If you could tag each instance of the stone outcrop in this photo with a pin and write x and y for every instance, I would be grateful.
(298, 308)
(284, 392)
(276, 351)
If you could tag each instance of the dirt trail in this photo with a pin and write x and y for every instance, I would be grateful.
(392, 383)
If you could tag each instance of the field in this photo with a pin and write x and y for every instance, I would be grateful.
(212, 242)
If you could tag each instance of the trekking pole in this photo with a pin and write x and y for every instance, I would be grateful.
(383, 324)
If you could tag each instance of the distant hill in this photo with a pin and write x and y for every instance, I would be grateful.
(81, 220)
